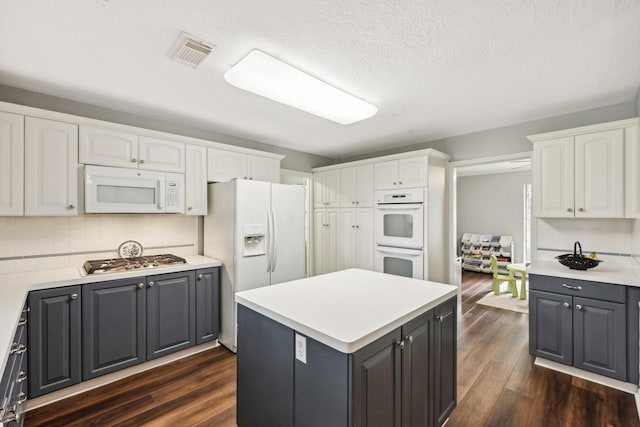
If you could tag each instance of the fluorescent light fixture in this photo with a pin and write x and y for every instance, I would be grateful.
(267, 76)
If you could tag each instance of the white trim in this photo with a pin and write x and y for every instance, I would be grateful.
(584, 129)
(493, 159)
(84, 121)
(425, 152)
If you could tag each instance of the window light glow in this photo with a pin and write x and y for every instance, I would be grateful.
(269, 77)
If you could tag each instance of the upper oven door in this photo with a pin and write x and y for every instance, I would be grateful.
(118, 190)
(400, 225)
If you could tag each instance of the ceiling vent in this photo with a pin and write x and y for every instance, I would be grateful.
(190, 51)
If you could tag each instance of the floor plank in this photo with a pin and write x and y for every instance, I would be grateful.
(498, 385)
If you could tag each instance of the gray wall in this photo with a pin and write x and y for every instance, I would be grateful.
(512, 139)
(493, 204)
(295, 160)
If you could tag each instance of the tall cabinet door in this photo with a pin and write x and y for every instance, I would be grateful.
(51, 168)
(11, 164)
(113, 326)
(54, 339)
(599, 174)
(553, 178)
(171, 306)
(196, 180)
(551, 326)
(364, 187)
(320, 242)
(416, 373)
(333, 246)
(364, 244)
(348, 239)
(600, 337)
(348, 187)
(444, 360)
(207, 304)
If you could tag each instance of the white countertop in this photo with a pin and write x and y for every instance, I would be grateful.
(623, 272)
(15, 287)
(348, 309)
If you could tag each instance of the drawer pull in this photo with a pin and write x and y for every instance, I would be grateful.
(22, 397)
(22, 376)
(575, 288)
(18, 349)
(22, 321)
(442, 317)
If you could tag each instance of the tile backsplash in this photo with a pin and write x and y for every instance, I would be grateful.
(40, 243)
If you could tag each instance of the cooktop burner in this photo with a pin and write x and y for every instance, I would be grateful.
(114, 265)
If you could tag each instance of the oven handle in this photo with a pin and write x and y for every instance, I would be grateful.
(406, 207)
(400, 251)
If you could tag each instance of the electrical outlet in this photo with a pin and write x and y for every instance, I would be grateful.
(301, 348)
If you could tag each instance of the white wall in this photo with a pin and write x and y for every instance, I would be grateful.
(40, 243)
(493, 204)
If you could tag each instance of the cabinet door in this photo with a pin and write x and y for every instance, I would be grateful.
(553, 178)
(632, 172)
(319, 190)
(377, 380)
(444, 360)
(599, 174)
(416, 373)
(551, 326)
(320, 242)
(333, 188)
(54, 339)
(207, 304)
(348, 239)
(161, 155)
(108, 147)
(11, 164)
(333, 240)
(412, 172)
(196, 180)
(171, 318)
(225, 165)
(263, 168)
(600, 337)
(364, 244)
(51, 168)
(364, 190)
(348, 187)
(113, 326)
(386, 175)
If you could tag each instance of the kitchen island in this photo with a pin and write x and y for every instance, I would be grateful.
(350, 348)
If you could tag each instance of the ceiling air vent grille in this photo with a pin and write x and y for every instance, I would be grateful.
(190, 51)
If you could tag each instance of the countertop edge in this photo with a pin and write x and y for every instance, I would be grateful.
(624, 276)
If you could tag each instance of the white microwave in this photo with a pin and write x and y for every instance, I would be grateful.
(119, 190)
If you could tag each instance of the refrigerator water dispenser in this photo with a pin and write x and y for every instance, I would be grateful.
(255, 240)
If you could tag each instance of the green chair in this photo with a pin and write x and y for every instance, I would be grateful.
(499, 278)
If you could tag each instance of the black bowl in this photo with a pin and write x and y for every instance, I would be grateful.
(577, 262)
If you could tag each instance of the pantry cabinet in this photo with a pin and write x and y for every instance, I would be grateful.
(196, 180)
(356, 237)
(51, 168)
(407, 172)
(326, 189)
(11, 164)
(226, 165)
(356, 187)
(327, 229)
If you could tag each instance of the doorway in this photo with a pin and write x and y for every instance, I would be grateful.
(304, 179)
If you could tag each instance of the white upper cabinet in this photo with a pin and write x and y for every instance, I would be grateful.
(356, 185)
(582, 175)
(108, 147)
(408, 172)
(632, 172)
(196, 180)
(227, 165)
(161, 155)
(326, 189)
(51, 168)
(11, 164)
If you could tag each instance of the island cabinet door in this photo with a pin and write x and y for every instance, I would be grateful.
(551, 326)
(265, 371)
(377, 371)
(444, 360)
(417, 375)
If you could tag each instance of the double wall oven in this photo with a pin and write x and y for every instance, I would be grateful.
(399, 232)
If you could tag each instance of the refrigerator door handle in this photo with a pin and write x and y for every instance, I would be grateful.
(269, 239)
(274, 256)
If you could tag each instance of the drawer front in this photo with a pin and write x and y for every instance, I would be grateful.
(580, 288)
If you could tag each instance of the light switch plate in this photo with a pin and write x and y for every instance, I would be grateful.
(301, 348)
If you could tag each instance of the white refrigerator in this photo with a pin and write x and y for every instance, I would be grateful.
(257, 230)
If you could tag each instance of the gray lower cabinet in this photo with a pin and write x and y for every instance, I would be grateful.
(207, 304)
(54, 339)
(171, 307)
(404, 379)
(113, 326)
(13, 383)
(583, 324)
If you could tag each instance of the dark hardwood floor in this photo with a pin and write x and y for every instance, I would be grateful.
(498, 385)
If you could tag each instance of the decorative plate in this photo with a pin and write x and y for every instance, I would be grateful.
(129, 249)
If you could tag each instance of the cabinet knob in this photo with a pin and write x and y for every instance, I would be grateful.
(245, 177)
(394, 183)
(141, 161)
(400, 344)
(22, 322)
(353, 202)
(357, 202)
(409, 338)
(566, 305)
(140, 285)
(569, 210)
(578, 306)
(134, 160)
(200, 276)
(251, 178)
(72, 206)
(190, 208)
(399, 182)
(353, 226)
(151, 284)
(74, 296)
(22, 397)
(580, 209)
(357, 226)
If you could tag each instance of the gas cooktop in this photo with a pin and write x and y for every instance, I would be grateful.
(114, 265)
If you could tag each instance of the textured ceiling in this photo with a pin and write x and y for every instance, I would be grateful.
(433, 68)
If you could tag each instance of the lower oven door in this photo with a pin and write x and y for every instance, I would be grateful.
(400, 261)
